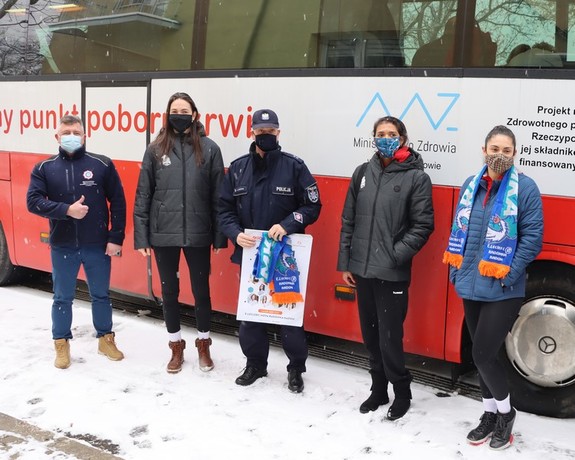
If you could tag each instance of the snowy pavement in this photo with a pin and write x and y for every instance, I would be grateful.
(135, 410)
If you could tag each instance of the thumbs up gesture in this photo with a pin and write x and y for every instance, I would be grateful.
(78, 209)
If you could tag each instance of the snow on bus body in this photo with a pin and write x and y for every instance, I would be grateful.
(447, 120)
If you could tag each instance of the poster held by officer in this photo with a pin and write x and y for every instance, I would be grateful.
(274, 279)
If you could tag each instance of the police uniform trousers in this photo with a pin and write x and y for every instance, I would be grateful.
(255, 345)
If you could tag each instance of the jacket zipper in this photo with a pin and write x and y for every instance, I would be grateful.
(183, 188)
(74, 198)
(372, 220)
(482, 240)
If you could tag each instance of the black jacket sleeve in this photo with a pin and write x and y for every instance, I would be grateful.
(36, 198)
(348, 221)
(143, 201)
(420, 218)
(216, 178)
(228, 218)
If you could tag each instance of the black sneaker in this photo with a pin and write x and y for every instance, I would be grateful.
(486, 426)
(399, 408)
(502, 436)
(250, 375)
(373, 402)
(295, 381)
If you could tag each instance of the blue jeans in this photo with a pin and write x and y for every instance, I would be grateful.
(65, 266)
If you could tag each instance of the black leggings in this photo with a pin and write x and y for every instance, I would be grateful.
(488, 324)
(198, 260)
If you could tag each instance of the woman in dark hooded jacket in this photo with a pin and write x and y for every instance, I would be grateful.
(386, 220)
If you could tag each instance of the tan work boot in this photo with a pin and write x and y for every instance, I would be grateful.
(62, 347)
(175, 364)
(107, 347)
(205, 361)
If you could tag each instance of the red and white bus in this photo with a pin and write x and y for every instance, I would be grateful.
(329, 69)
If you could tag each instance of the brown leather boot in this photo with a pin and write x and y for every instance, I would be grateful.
(205, 361)
(175, 364)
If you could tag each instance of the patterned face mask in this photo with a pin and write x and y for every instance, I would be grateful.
(499, 162)
(387, 146)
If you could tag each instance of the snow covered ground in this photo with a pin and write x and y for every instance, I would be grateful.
(148, 414)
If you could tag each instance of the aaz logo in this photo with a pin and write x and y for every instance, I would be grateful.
(416, 101)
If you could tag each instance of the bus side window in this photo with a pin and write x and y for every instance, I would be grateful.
(483, 48)
(523, 41)
(362, 33)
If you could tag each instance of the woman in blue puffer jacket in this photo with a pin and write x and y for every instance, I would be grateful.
(497, 231)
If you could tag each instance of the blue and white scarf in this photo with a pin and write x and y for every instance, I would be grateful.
(501, 237)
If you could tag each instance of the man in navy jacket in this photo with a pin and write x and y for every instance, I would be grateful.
(81, 194)
(268, 189)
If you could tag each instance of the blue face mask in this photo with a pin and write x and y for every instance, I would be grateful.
(387, 146)
(70, 142)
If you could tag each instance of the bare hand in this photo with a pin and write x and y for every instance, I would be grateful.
(246, 241)
(113, 249)
(78, 209)
(348, 278)
(146, 252)
(277, 232)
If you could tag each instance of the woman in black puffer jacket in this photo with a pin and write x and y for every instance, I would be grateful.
(175, 211)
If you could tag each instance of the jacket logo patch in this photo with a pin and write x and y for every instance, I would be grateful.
(88, 175)
(313, 193)
(362, 184)
(298, 217)
(166, 160)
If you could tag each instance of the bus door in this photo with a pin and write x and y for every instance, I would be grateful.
(118, 125)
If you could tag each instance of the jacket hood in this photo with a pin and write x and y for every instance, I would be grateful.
(413, 161)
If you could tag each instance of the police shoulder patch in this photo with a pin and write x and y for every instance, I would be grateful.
(313, 193)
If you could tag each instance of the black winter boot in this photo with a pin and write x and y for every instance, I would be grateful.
(402, 401)
(378, 396)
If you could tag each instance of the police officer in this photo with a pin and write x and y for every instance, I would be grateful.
(268, 189)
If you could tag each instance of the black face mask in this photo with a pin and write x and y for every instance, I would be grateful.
(180, 122)
(267, 142)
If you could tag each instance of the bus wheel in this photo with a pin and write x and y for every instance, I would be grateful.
(538, 352)
(8, 273)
